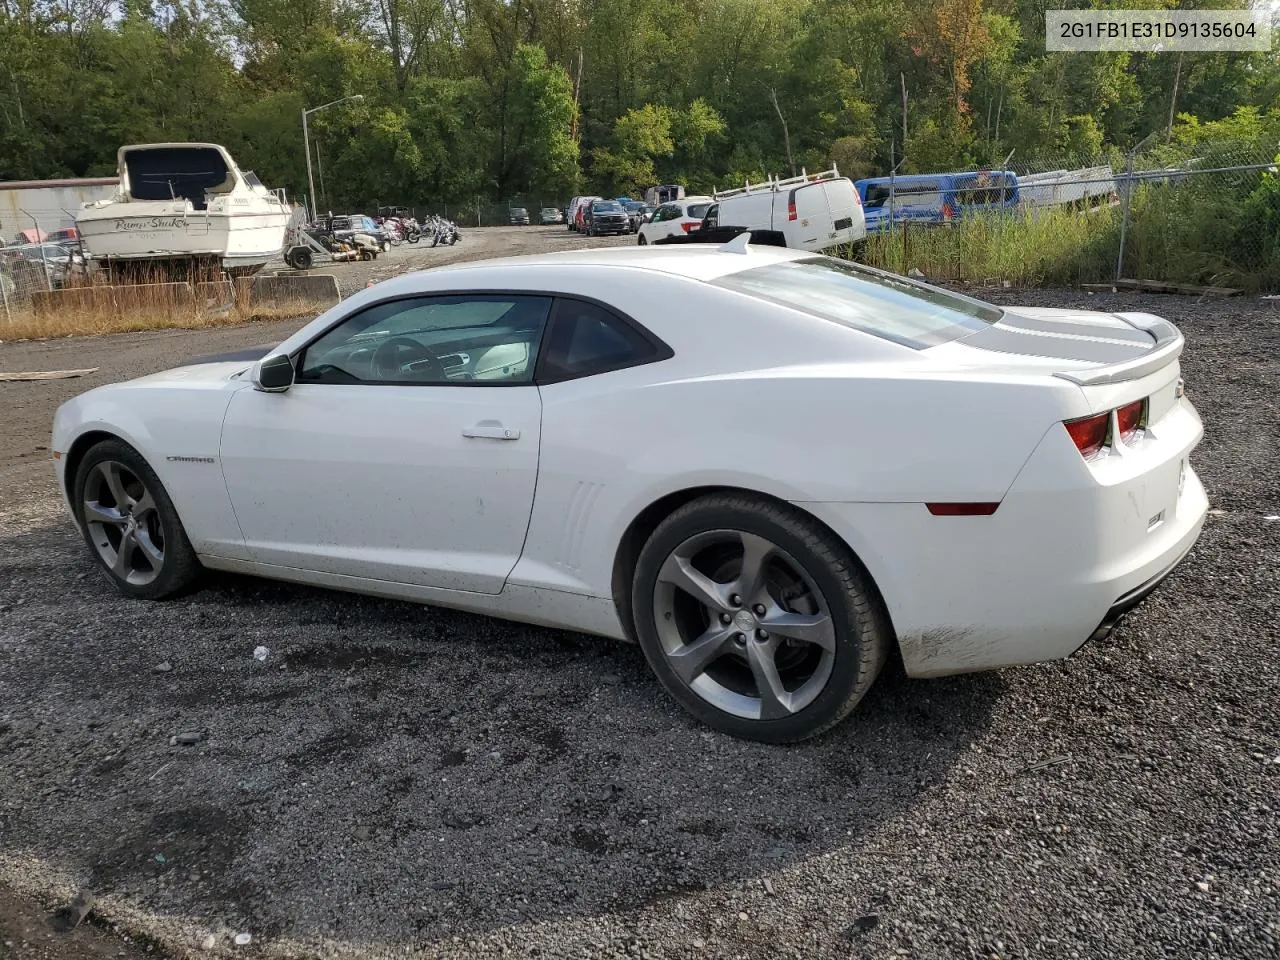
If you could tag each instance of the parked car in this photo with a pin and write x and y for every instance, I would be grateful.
(766, 571)
(678, 216)
(637, 213)
(519, 216)
(348, 226)
(551, 215)
(579, 216)
(812, 211)
(569, 211)
(42, 265)
(606, 217)
(936, 198)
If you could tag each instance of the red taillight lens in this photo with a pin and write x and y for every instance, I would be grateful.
(688, 227)
(1089, 433)
(962, 509)
(1130, 420)
(791, 210)
(947, 212)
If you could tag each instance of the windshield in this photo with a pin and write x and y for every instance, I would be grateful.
(608, 206)
(882, 304)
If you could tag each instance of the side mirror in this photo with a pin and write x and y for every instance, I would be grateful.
(274, 374)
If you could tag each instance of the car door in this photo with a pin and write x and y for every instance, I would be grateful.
(811, 228)
(405, 450)
(653, 230)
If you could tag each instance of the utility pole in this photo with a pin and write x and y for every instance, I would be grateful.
(786, 135)
(903, 77)
(577, 91)
(311, 180)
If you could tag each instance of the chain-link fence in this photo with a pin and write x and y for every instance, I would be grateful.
(43, 254)
(1206, 217)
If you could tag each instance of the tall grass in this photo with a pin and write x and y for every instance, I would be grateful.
(1216, 237)
(87, 319)
(1026, 248)
(1216, 230)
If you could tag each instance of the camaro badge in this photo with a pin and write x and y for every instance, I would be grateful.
(191, 459)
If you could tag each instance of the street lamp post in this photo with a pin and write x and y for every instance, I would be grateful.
(306, 142)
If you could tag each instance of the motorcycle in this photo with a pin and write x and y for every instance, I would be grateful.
(394, 231)
(412, 232)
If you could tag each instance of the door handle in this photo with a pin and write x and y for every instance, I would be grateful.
(491, 430)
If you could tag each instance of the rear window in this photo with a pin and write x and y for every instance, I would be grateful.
(876, 196)
(698, 210)
(980, 190)
(878, 303)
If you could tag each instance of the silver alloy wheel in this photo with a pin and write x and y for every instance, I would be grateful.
(744, 625)
(123, 522)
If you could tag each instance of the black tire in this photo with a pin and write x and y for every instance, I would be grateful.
(642, 242)
(861, 628)
(179, 568)
(301, 258)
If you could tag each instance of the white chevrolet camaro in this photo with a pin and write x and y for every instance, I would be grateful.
(769, 468)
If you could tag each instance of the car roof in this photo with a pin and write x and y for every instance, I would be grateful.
(704, 262)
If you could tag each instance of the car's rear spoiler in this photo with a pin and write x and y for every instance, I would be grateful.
(1168, 347)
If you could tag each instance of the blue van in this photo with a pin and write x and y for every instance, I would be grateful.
(936, 197)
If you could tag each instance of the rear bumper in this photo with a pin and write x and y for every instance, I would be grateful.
(1070, 550)
(1134, 597)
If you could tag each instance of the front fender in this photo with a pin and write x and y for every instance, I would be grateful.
(177, 429)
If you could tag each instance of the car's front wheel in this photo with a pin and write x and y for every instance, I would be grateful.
(756, 619)
(130, 524)
(642, 242)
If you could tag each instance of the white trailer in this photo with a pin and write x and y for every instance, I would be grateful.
(1083, 187)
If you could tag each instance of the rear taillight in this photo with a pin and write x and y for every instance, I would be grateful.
(791, 210)
(1131, 419)
(1090, 434)
(691, 226)
(947, 212)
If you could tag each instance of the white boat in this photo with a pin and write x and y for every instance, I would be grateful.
(185, 202)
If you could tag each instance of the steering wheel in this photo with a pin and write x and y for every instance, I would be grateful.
(395, 353)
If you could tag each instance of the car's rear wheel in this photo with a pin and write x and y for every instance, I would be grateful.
(130, 525)
(756, 619)
(642, 242)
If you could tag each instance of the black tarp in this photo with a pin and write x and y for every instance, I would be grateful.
(165, 173)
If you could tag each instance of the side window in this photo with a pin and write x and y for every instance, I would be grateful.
(487, 338)
(587, 339)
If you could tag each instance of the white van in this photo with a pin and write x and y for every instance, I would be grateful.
(813, 211)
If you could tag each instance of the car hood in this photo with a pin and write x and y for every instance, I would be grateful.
(215, 368)
(195, 374)
(1036, 338)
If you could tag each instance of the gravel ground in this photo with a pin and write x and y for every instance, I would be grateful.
(396, 779)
